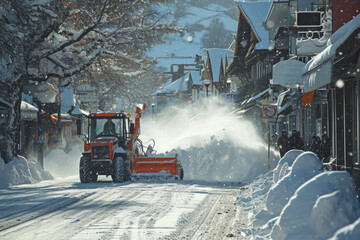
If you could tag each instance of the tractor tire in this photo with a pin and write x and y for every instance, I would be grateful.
(85, 170)
(94, 176)
(119, 170)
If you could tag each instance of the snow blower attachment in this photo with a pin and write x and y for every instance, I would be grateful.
(113, 148)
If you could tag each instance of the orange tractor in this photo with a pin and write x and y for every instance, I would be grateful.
(112, 148)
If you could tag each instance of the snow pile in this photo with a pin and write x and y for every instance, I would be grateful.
(62, 164)
(21, 171)
(306, 166)
(298, 200)
(212, 145)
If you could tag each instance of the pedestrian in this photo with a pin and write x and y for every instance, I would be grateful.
(325, 148)
(315, 146)
(296, 141)
(283, 143)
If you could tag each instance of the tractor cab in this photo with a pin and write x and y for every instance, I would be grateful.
(108, 127)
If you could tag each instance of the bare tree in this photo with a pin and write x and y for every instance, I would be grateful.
(43, 39)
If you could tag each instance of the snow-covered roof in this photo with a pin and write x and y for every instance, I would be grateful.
(321, 77)
(162, 88)
(77, 110)
(195, 75)
(28, 107)
(277, 17)
(84, 112)
(216, 54)
(256, 13)
(180, 85)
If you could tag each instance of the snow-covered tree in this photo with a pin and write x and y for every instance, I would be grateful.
(217, 36)
(44, 39)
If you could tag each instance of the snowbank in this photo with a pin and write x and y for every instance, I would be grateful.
(212, 145)
(319, 208)
(21, 171)
(350, 232)
(298, 200)
(306, 166)
(61, 164)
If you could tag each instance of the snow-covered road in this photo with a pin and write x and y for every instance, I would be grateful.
(66, 209)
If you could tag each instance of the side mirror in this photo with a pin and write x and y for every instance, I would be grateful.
(85, 138)
(132, 128)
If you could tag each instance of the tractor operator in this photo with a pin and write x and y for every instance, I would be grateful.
(109, 126)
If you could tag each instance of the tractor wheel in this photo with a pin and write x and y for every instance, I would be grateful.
(94, 176)
(85, 170)
(119, 170)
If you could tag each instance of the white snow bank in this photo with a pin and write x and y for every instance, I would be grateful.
(305, 166)
(350, 232)
(62, 164)
(212, 145)
(21, 171)
(319, 208)
(297, 200)
(283, 166)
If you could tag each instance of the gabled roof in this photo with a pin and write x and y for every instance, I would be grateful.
(276, 17)
(216, 55)
(28, 107)
(179, 85)
(195, 76)
(256, 13)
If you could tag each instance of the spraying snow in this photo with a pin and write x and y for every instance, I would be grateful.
(212, 145)
(61, 164)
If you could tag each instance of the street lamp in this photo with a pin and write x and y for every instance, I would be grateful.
(207, 84)
(228, 84)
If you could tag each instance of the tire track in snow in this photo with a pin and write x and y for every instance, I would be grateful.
(216, 218)
(23, 217)
(73, 217)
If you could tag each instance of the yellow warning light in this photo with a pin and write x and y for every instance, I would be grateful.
(51, 89)
(122, 111)
(90, 111)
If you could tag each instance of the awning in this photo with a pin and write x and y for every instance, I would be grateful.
(288, 73)
(317, 72)
(64, 118)
(287, 101)
(258, 96)
(317, 76)
(240, 112)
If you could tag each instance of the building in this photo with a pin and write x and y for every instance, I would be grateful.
(215, 71)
